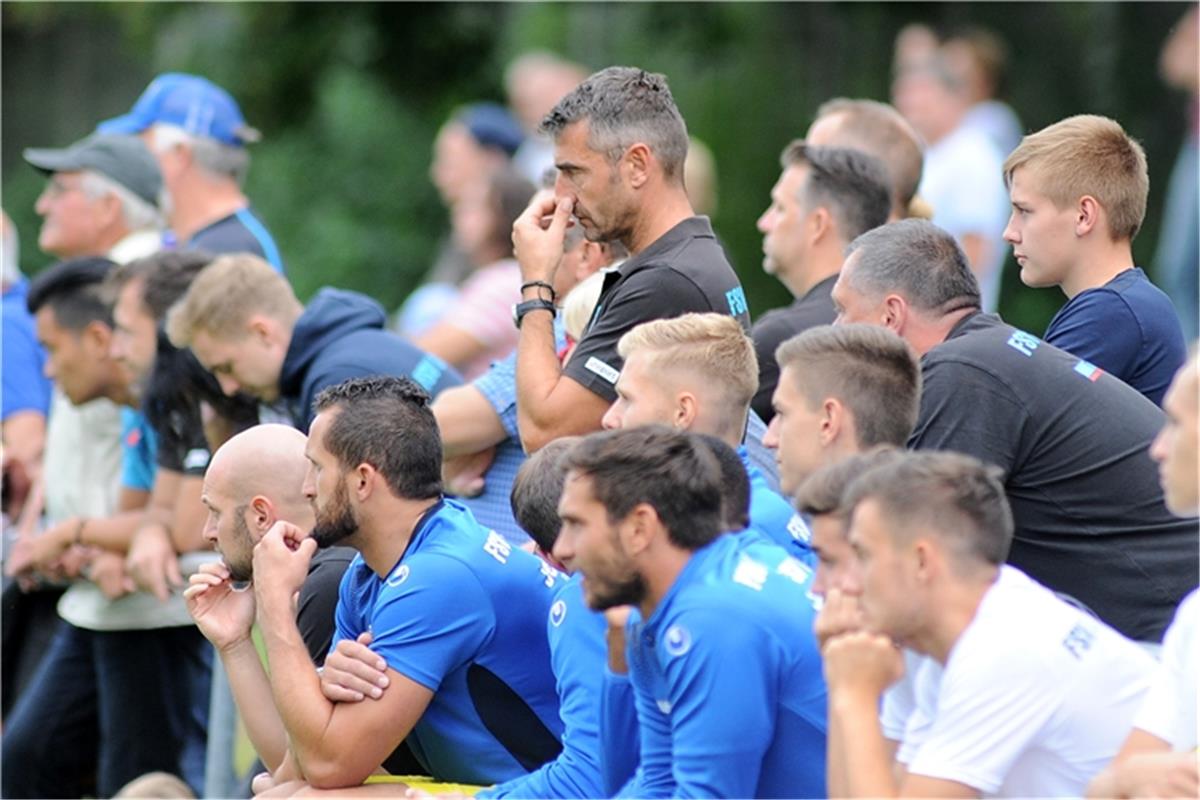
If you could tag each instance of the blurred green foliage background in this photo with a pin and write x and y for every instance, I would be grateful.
(350, 95)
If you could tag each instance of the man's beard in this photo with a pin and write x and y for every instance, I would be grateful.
(241, 570)
(628, 592)
(336, 521)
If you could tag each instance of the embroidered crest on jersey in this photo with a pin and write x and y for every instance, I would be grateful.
(399, 576)
(605, 371)
(677, 641)
(558, 612)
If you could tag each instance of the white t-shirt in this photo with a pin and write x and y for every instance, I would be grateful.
(1169, 710)
(908, 706)
(1035, 698)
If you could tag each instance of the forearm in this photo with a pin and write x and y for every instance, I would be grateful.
(467, 421)
(250, 685)
(113, 533)
(863, 751)
(295, 686)
(538, 375)
(836, 778)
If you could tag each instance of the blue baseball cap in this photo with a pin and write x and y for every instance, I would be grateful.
(492, 126)
(195, 104)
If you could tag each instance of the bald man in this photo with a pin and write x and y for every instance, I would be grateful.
(254, 480)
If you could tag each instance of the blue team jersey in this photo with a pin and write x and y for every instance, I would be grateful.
(444, 617)
(578, 653)
(139, 448)
(730, 695)
(774, 517)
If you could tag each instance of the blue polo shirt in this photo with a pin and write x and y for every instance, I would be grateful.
(730, 694)
(444, 618)
(774, 517)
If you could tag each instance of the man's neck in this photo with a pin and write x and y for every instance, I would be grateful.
(661, 576)
(1107, 260)
(955, 609)
(922, 336)
(823, 265)
(659, 215)
(384, 533)
(200, 204)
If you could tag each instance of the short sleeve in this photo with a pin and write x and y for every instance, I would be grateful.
(1098, 326)
(499, 387)
(25, 388)
(484, 307)
(1169, 708)
(426, 646)
(649, 293)
(138, 450)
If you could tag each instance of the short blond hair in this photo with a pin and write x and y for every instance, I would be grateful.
(225, 294)
(1088, 155)
(713, 346)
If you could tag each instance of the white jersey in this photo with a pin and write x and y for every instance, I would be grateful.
(1036, 696)
(1169, 711)
(909, 705)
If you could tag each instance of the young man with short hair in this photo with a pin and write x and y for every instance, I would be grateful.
(721, 652)
(1078, 191)
(243, 321)
(1035, 693)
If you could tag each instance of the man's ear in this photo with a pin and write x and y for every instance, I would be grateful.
(636, 163)
(636, 531)
(819, 225)
(686, 410)
(1089, 214)
(262, 514)
(96, 337)
(895, 313)
(833, 418)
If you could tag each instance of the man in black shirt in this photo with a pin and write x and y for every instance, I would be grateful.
(620, 145)
(1071, 439)
(825, 197)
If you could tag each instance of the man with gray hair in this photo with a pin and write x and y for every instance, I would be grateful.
(620, 145)
(1071, 440)
(198, 134)
(102, 199)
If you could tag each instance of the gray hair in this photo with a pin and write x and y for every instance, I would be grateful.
(916, 259)
(218, 158)
(136, 212)
(853, 184)
(625, 105)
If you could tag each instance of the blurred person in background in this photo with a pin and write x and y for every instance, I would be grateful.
(980, 57)
(534, 82)
(962, 178)
(198, 135)
(477, 329)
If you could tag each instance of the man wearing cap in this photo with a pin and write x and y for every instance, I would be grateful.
(102, 198)
(198, 134)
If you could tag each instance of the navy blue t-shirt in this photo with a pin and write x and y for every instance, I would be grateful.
(240, 232)
(1128, 328)
(445, 618)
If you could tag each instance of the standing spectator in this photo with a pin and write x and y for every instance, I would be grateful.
(1070, 439)
(962, 177)
(620, 146)
(534, 82)
(825, 198)
(1078, 192)
(979, 58)
(199, 136)
(245, 325)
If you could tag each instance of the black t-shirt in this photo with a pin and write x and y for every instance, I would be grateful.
(319, 598)
(684, 270)
(1072, 441)
(776, 327)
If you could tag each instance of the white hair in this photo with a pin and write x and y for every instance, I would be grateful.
(136, 212)
(214, 157)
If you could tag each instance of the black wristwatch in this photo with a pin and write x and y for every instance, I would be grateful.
(521, 309)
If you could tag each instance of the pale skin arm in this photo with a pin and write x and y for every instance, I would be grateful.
(225, 617)
(549, 404)
(451, 344)
(467, 421)
(858, 667)
(335, 745)
(24, 436)
(1146, 767)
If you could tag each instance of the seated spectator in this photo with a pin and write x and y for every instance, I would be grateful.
(878, 130)
(477, 329)
(961, 176)
(1035, 694)
(198, 135)
(471, 683)
(245, 325)
(825, 198)
(842, 390)
(117, 649)
(1078, 190)
(642, 516)
(620, 146)
(697, 372)
(1071, 440)
(103, 198)
(1158, 758)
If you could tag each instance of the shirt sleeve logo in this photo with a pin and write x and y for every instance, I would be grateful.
(605, 371)
(677, 641)
(558, 612)
(736, 299)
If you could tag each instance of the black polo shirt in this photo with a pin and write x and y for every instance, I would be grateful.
(777, 326)
(1072, 441)
(684, 270)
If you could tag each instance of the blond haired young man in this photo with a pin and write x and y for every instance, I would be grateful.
(1078, 190)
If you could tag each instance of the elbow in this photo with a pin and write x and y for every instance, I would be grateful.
(534, 438)
(332, 773)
